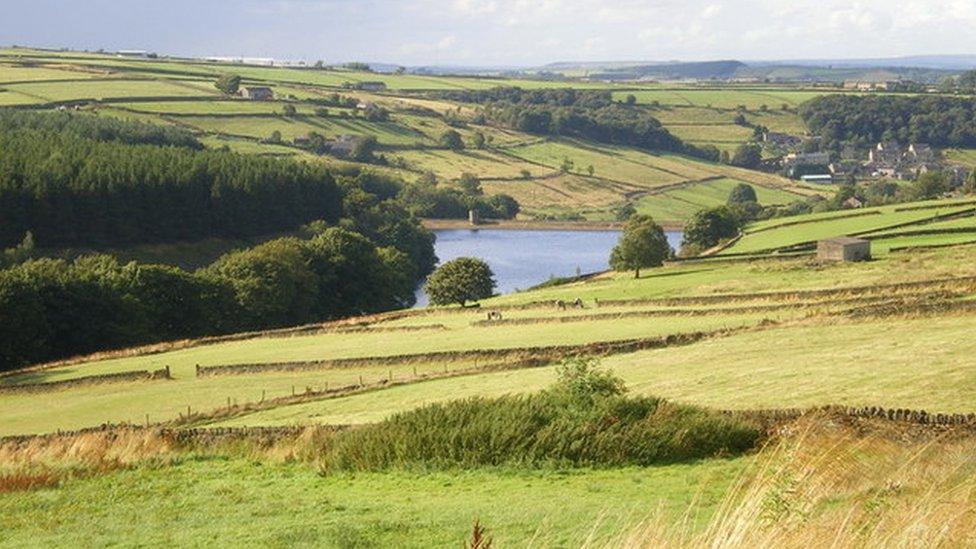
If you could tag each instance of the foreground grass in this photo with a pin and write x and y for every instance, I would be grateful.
(234, 502)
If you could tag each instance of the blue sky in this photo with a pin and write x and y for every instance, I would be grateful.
(499, 32)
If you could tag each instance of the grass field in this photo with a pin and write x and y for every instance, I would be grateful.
(683, 202)
(247, 503)
(181, 92)
(780, 233)
(774, 376)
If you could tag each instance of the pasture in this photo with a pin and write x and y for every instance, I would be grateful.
(353, 374)
(778, 234)
(181, 92)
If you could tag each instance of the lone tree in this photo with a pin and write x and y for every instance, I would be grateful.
(459, 281)
(741, 194)
(641, 245)
(229, 83)
(451, 139)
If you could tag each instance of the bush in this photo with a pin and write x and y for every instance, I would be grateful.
(550, 428)
(741, 193)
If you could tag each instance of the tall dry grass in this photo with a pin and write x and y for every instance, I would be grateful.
(837, 489)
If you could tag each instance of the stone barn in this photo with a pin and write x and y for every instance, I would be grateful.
(257, 93)
(844, 248)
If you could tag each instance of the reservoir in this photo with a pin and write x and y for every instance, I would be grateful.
(521, 259)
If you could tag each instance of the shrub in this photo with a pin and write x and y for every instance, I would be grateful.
(539, 430)
(742, 192)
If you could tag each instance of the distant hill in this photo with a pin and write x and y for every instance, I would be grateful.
(675, 71)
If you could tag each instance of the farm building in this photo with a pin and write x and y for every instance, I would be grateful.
(257, 93)
(844, 248)
(371, 86)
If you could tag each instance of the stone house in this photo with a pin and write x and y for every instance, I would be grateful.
(257, 93)
(844, 248)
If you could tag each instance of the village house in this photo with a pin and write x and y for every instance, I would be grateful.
(862, 85)
(783, 140)
(889, 159)
(257, 93)
(793, 161)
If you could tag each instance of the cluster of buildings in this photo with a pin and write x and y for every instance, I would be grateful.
(887, 159)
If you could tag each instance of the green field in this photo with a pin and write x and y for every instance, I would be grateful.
(246, 503)
(181, 92)
(683, 202)
(808, 325)
(780, 233)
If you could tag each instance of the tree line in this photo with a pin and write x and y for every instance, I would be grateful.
(70, 190)
(865, 120)
(52, 308)
(588, 114)
(362, 250)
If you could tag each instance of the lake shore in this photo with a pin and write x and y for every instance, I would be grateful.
(527, 225)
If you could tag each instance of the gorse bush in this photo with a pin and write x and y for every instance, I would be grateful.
(582, 421)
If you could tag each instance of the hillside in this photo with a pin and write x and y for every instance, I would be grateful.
(241, 414)
(180, 93)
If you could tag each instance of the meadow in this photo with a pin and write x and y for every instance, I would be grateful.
(366, 371)
(778, 234)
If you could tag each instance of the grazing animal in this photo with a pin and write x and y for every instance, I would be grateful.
(494, 315)
(578, 303)
(561, 304)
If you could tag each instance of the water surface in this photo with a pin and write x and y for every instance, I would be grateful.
(522, 259)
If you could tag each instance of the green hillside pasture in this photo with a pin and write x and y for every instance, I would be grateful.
(726, 98)
(887, 245)
(237, 502)
(729, 133)
(485, 164)
(964, 157)
(245, 146)
(11, 98)
(229, 107)
(733, 277)
(636, 169)
(567, 194)
(681, 203)
(19, 73)
(87, 406)
(387, 133)
(381, 343)
(112, 89)
(872, 363)
(831, 226)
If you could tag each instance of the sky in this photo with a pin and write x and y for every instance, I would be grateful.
(499, 32)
